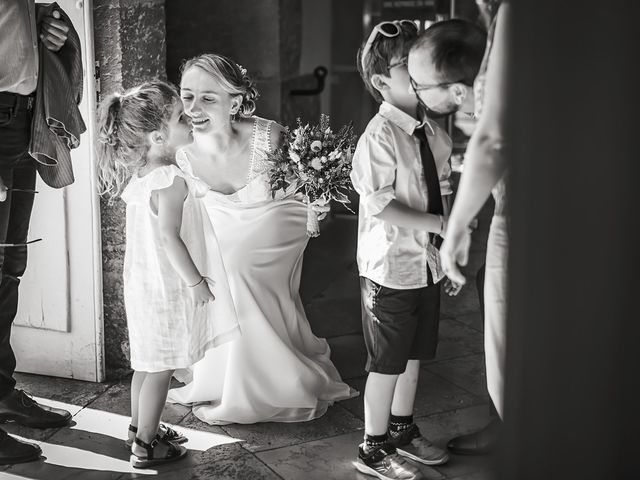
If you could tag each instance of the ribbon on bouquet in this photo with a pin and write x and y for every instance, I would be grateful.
(316, 211)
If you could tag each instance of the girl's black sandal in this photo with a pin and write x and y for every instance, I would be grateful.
(174, 453)
(167, 433)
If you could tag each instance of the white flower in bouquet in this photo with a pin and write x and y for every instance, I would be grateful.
(317, 163)
(294, 156)
(316, 146)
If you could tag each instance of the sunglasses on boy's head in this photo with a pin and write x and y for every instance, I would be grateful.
(389, 30)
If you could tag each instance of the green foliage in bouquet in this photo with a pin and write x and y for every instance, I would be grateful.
(314, 161)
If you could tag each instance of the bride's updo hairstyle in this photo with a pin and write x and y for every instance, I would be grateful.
(232, 77)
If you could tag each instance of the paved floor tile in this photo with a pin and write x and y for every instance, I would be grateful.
(65, 390)
(265, 436)
(465, 302)
(483, 475)
(243, 467)
(472, 319)
(458, 340)
(215, 453)
(465, 372)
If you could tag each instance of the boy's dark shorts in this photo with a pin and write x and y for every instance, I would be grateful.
(399, 325)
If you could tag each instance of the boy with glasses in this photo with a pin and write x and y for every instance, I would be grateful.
(443, 64)
(401, 172)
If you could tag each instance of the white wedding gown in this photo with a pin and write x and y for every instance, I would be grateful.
(277, 370)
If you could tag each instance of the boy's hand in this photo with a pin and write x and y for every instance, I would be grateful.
(202, 293)
(54, 32)
(3, 191)
(452, 288)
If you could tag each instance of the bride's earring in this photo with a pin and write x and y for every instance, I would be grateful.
(234, 113)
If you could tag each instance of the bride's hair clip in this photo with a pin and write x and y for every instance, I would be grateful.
(243, 70)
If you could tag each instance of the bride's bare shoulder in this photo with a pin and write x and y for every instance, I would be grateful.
(277, 134)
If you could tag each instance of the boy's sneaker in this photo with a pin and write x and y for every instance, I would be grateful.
(411, 444)
(385, 463)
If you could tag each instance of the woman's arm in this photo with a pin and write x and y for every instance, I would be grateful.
(485, 162)
(170, 204)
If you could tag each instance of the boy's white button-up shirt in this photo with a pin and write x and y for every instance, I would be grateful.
(387, 166)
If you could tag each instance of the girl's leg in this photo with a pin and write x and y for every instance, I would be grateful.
(405, 390)
(136, 384)
(153, 396)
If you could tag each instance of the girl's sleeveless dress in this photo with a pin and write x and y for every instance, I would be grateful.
(278, 370)
(166, 329)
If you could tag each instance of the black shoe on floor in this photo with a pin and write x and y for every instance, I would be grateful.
(481, 442)
(21, 408)
(13, 450)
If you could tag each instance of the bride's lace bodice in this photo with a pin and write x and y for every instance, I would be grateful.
(256, 189)
(261, 146)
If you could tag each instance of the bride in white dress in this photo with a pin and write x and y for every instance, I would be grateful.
(278, 370)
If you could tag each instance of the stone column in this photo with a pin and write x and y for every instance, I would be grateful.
(130, 44)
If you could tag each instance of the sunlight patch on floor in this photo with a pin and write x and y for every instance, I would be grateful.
(110, 431)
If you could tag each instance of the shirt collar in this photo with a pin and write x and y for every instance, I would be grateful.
(403, 120)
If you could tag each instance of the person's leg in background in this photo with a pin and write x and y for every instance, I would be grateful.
(484, 440)
(14, 131)
(18, 172)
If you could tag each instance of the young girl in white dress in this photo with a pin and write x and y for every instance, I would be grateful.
(169, 273)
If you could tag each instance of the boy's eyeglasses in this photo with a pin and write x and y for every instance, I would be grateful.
(417, 87)
(389, 30)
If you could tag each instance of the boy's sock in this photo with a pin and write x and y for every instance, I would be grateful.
(372, 442)
(398, 424)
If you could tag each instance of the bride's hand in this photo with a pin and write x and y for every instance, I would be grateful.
(321, 207)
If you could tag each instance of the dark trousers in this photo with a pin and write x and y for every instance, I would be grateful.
(17, 170)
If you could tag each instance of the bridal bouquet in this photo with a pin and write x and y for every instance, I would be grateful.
(316, 162)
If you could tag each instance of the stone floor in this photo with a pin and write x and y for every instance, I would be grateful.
(451, 399)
